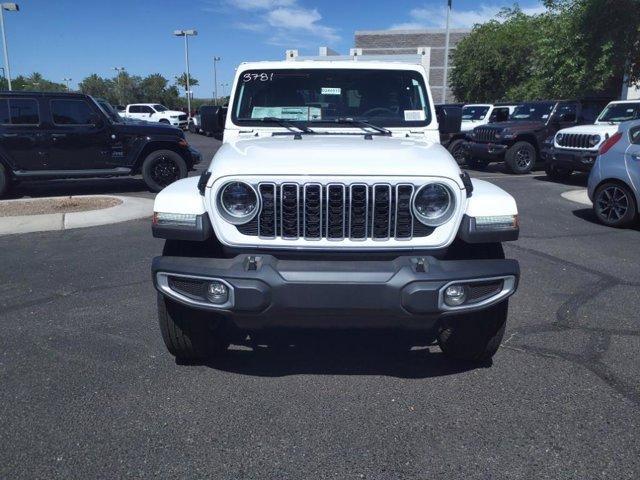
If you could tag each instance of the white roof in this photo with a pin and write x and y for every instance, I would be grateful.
(343, 64)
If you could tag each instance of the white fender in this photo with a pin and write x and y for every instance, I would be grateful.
(181, 197)
(488, 200)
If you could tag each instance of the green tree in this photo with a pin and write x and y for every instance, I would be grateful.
(156, 88)
(99, 87)
(577, 48)
(496, 56)
(181, 81)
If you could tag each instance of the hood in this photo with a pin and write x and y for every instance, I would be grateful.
(173, 112)
(334, 155)
(518, 125)
(602, 129)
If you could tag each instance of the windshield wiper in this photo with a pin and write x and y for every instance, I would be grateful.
(287, 124)
(364, 125)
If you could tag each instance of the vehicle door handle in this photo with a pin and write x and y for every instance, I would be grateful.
(635, 156)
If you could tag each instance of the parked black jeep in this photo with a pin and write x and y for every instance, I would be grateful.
(519, 141)
(71, 135)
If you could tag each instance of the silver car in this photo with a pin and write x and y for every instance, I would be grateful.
(614, 182)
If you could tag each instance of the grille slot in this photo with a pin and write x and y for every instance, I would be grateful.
(289, 211)
(312, 211)
(267, 219)
(189, 287)
(481, 290)
(335, 211)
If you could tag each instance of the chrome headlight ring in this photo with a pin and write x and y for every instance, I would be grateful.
(252, 202)
(438, 192)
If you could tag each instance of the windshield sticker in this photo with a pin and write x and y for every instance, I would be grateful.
(257, 77)
(414, 115)
(331, 91)
(288, 113)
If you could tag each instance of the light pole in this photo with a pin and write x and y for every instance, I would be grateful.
(119, 70)
(66, 81)
(186, 34)
(9, 7)
(446, 55)
(215, 79)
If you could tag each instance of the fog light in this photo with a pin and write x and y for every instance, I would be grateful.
(218, 293)
(455, 295)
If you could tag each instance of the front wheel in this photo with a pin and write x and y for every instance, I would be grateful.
(162, 168)
(191, 335)
(164, 120)
(615, 205)
(521, 157)
(474, 336)
(457, 151)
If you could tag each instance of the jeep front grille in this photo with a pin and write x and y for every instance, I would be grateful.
(574, 140)
(335, 211)
(485, 134)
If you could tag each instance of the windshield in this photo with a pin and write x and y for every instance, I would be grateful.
(108, 110)
(474, 112)
(533, 111)
(315, 96)
(160, 108)
(620, 112)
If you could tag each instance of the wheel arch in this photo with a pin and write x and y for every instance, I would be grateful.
(529, 138)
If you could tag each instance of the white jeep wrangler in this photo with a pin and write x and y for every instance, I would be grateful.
(331, 204)
(576, 148)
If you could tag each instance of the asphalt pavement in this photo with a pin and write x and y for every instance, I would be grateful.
(87, 389)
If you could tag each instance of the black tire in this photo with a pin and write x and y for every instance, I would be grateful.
(162, 168)
(614, 204)
(457, 151)
(521, 157)
(191, 128)
(474, 337)
(164, 120)
(4, 181)
(557, 173)
(191, 335)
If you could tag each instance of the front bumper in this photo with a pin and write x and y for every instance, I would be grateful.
(485, 151)
(580, 160)
(265, 291)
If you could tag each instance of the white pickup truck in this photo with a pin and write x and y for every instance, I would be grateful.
(332, 204)
(155, 112)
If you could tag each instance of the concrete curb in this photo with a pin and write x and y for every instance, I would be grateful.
(131, 208)
(577, 196)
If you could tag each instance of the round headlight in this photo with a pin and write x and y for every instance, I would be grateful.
(238, 202)
(433, 204)
(594, 140)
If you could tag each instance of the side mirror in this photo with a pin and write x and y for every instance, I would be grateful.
(449, 118)
(150, 114)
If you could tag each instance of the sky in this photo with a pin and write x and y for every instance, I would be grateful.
(75, 38)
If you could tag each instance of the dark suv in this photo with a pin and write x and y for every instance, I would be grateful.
(71, 135)
(519, 141)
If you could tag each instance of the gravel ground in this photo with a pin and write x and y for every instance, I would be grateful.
(42, 206)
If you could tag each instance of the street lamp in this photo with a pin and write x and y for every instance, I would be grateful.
(66, 81)
(9, 7)
(186, 34)
(215, 79)
(119, 70)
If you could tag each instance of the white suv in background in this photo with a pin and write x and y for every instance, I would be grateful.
(481, 114)
(576, 148)
(155, 112)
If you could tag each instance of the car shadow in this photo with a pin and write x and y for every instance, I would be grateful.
(574, 180)
(340, 353)
(587, 215)
(93, 186)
